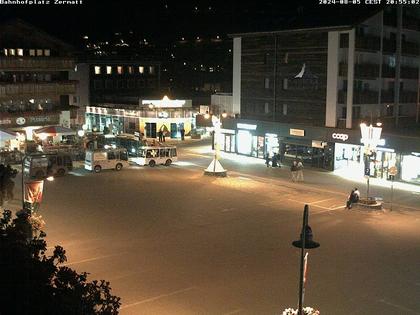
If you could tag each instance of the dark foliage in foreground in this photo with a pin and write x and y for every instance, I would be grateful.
(34, 283)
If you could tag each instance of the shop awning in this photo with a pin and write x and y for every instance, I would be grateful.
(53, 131)
(7, 135)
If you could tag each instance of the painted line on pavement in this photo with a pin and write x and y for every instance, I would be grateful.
(152, 299)
(400, 307)
(311, 203)
(308, 203)
(338, 207)
(233, 312)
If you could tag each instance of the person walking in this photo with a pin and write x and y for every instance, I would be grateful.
(299, 168)
(278, 156)
(182, 134)
(293, 170)
(160, 134)
(267, 160)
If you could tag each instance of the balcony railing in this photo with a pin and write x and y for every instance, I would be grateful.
(373, 43)
(21, 90)
(371, 97)
(36, 63)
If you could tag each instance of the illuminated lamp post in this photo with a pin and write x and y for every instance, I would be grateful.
(215, 168)
(305, 241)
(371, 137)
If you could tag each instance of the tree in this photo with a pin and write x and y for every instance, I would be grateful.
(33, 282)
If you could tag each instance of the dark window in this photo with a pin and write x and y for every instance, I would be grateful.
(356, 112)
(131, 125)
(124, 155)
(343, 112)
(173, 152)
(111, 155)
(390, 110)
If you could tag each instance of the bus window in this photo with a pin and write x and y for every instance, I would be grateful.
(142, 153)
(124, 155)
(111, 155)
(149, 154)
(67, 160)
(59, 160)
(173, 152)
(162, 152)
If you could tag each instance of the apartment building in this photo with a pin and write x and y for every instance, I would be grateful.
(34, 78)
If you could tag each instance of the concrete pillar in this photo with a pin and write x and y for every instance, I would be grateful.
(236, 91)
(350, 78)
(332, 79)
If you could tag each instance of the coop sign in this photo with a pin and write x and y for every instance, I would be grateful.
(340, 136)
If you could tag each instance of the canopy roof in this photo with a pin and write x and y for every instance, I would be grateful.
(55, 130)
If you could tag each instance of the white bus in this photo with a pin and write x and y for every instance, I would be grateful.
(102, 159)
(156, 155)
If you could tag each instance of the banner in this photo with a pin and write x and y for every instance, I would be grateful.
(33, 191)
(305, 268)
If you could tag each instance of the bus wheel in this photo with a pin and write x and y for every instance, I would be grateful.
(168, 162)
(97, 169)
(118, 167)
(61, 172)
(152, 163)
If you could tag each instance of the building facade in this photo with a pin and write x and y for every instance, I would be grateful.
(332, 76)
(34, 78)
(303, 93)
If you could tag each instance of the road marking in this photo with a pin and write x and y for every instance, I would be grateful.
(75, 174)
(157, 297)
(308, 203)
(233, 312)
(311, 203)
(228, 209)
(338, 207)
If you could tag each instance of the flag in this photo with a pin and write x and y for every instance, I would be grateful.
(33, 191)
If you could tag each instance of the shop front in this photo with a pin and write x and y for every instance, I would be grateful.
(227, 140)
(410, 167)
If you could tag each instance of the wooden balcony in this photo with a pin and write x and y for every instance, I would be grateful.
(36, 63)
(35, 90)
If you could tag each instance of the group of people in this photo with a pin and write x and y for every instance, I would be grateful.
(296, 167)
(297, 171)
(275, 160)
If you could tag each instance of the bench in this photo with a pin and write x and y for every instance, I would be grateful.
(371, 203)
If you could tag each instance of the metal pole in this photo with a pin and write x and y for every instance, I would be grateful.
(302, 258)
(23, 185)
(367, 193)
(392, 190)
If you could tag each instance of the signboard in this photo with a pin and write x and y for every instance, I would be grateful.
(340, 136)
(318, 144)
(31, 120)
(246, 126)
(33, 191)
(297, 132)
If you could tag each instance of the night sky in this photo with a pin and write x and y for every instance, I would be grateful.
(166, 21)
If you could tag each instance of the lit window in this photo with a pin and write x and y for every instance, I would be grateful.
(108, 70)
(46, 52)
(5, 51)
(31, 52)
(20, 52)
(152, 70)
(141, 69)
(97, 70)
(39, 52)
(120, 69)
(130, 70)
(12, 52)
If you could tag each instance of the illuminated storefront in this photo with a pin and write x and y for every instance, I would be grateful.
(339, 150)
(149, 118)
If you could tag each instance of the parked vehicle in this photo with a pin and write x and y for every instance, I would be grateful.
(35, 166)
(102, 159)
(150, 155)
(59, 164)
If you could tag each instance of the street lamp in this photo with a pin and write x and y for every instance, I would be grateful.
(371, 137)
(305, 241)
(215, 168)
